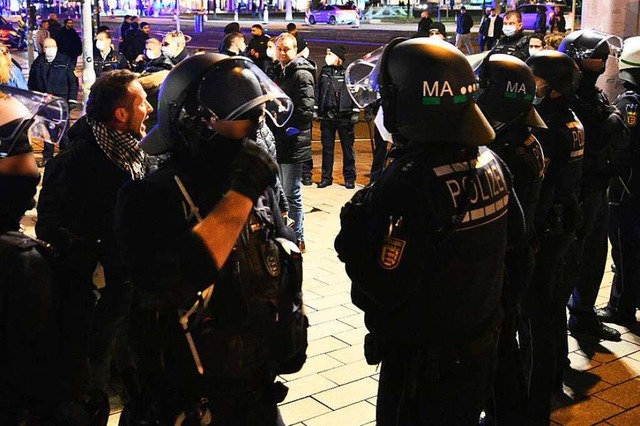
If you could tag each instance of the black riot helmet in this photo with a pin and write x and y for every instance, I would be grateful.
(509, 89)
(557, 69)
(204, 90)
(427, 88)
(590, 44)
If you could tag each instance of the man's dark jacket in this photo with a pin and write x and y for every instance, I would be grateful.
(424, 24)
(69, 43)
(55, 77)
(54, 28)
(464, 22)
(259, 45)
(333, 100)
(298, 81)
(517, 46)
(541, 23)
(154, 65)
(113, 61)
(181, 57)
(135, 44)
(75, 208)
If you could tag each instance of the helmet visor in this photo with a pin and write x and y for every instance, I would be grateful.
(49, 116)
(614, 45)
(361, 78)
(277, 105)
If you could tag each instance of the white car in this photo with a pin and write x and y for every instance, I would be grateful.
(333, 14)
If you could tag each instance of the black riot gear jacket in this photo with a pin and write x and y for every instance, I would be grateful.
(401, 245)
(625, 185)
(604, 133)
(523, 154)
(332, 95)
(517, 46)
(563, 146)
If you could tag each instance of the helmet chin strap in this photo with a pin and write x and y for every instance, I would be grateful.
(502, 127)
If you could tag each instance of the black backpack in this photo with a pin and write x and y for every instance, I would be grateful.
(256, 317)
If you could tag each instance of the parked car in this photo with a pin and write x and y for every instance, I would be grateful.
(333, 14)
(10, 35)
(529, 14)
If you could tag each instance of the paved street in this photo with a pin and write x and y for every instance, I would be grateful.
(358, 41)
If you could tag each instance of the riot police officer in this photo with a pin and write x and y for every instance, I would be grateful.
(337, 112)
(507, 102)
(198, 245)
(603, 129)
(556, 219)
(433, 315)
(39, 382)
(624, 203)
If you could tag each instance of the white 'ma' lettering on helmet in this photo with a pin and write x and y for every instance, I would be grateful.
(435, 90)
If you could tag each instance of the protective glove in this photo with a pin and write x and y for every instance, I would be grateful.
(253, 171)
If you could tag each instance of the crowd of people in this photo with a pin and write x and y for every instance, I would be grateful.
(171, 223)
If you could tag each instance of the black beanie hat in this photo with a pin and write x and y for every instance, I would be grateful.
(233, 27)
(339, 51)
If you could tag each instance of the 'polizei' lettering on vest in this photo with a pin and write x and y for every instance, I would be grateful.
(486, 189)
(577, 145)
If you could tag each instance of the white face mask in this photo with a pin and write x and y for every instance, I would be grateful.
(509, 30)
(151, 54)
(330, 60)
(102, 45)
(242, 47)
(50, 53)
(168, 52)
(271, 53)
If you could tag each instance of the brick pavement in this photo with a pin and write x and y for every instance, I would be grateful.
(337, 388)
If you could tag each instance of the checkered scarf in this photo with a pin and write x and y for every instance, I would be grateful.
(121, 148)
